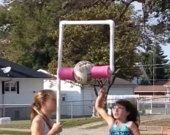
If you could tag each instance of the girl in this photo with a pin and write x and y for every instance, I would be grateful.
(42, 108)
(124, 117)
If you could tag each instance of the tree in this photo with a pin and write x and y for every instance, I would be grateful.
(167, 71)
(161, 60)
(4, 31)
(155, 63)
(34, 32)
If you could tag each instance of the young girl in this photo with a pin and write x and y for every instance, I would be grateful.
(42, 108)
(124, 117)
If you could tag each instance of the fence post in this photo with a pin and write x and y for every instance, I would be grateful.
(151, 104)
(138, 104)
(71, 105)
(165, 107)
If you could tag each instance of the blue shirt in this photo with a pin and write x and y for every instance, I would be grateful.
(121, 129)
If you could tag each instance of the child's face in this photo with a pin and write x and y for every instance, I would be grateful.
(119, 112)
(50, 104)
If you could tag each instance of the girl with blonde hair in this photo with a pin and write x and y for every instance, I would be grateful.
(43, 107)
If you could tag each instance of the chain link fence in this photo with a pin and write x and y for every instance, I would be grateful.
(147, 105)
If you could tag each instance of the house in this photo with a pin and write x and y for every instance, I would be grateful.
(160, 88)
(154, 99)
(79, 100)
(18, 84)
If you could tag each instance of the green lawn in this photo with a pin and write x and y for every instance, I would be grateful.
(68, 123)
(21, 124)
(25, 124)
(13, 133)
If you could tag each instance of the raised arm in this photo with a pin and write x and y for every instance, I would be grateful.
(99, 105)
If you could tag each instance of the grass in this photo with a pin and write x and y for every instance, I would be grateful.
(25, 124)
(13, 133)
(21, 124)
(68, 123)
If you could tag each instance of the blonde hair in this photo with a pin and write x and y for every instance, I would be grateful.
(39, 98)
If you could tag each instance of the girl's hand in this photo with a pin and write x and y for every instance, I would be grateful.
(100, 101)
(102, 93)
(57, 128)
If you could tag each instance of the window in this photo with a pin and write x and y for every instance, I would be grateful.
(14, 86)
(7, 86)
(63, 97)
(11, 86)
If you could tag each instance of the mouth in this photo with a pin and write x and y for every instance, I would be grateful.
(116, 114)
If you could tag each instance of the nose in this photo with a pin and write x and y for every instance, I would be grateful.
(116, 109)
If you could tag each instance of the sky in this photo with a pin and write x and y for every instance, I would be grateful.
(138, 7)
(167, 50)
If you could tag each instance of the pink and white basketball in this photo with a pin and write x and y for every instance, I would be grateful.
(82, 71)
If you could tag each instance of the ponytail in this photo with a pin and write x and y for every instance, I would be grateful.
(34, 111)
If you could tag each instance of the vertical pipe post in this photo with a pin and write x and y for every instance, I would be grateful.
(60, 50)
(111, 24)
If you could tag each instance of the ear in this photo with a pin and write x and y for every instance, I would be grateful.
(42, 103)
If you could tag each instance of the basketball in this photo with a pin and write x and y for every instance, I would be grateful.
(82, 71)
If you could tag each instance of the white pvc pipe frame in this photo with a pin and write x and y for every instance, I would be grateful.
(60, 50)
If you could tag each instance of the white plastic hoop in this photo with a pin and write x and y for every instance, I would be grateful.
(60, 50)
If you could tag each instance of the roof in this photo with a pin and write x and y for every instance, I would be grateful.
(150, 88)
(160, 86)
(120, 81)
(20, 71)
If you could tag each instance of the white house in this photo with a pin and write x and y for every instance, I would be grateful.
(17, 88)
(79, 101)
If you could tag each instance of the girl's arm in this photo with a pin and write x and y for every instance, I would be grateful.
(134, 129)
(99, 105)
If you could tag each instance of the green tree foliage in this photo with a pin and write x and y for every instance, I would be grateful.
(160, 60)
(33, 33)
(155, 64)
(167, 71)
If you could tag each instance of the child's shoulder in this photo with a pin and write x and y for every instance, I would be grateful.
(131, 124)
(38, 119)
(37, 123)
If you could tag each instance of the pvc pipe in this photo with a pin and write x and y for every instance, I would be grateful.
(60, 43)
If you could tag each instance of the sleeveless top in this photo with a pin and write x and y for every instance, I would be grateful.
(121, 129)
(46, 129)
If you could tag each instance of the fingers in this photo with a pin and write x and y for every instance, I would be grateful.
(102, 91)
(60, 125)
